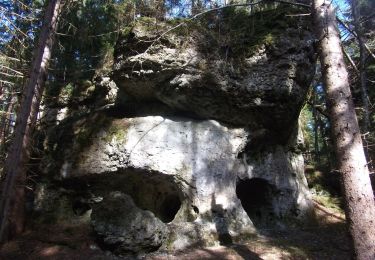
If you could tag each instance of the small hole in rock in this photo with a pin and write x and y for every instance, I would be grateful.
(196, 210)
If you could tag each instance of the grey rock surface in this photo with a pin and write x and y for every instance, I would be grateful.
(263, 90)
(190, 171)
(198, 142)
(127, 228)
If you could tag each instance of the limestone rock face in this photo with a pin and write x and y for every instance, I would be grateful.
(184, 171)
(199, 156)
(126, 227)
(191, 140)
(264, 89)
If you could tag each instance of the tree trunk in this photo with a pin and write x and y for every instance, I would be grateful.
(316, 128)
(5, 120)
(360, 206)
(12, 200)
(362, 65)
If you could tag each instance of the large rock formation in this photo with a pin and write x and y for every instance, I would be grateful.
(200, 135)
(259, 87)
(122, 224)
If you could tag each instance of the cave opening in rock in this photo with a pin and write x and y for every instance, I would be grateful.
(154, 191)
(257, 197)
(169, 208)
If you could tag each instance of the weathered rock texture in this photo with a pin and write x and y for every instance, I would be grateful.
(201, 135)
(196, 72)
(121, 223)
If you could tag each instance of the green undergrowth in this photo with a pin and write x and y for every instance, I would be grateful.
(325, 187)
(329, 201)
(117, 131)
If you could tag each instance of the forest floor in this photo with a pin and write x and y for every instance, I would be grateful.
(326, 239)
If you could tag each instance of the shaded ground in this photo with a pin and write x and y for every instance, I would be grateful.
(326, 239)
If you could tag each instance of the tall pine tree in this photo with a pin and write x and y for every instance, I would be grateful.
(360, 206)
(13, 194)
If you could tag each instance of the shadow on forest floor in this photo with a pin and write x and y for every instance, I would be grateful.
(328, 242)
(327, 239)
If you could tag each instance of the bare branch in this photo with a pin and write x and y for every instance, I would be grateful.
(355, 35)
(27, 6)
(2, 55)
(7, 82)
(103, 34)
(15, 27)
(28, 18)
(318, 108)
(13, 70)
(218, 9)
(297, 15)
(369, 51)
(10, 75)
(351, 61)
(15, 36)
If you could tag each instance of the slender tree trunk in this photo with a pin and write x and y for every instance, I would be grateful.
(316, 128)
(7, 124)
(12, 200)
(5, 119)
(362, 65)
(360, 206)
(8, 130)
(325, 148)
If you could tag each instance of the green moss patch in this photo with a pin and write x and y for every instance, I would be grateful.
(117, 131)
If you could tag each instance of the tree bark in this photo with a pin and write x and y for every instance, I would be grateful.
(13, 194)
(359, 199)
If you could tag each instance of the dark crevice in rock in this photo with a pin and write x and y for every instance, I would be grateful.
(134, 108)
(105, 246)
(169, 208)
(257, 197)
(154, 191)
(80, 207)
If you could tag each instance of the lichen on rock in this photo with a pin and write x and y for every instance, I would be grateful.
(195, 140)
(262, 88)
(125, 227)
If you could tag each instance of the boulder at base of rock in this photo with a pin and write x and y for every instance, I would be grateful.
(125, 227)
